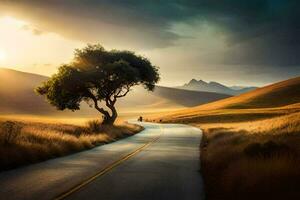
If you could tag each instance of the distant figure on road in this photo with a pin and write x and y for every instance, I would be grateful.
(140, 119)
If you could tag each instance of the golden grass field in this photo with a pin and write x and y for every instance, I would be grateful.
(251, 143)
(248, 160)
(29, 140)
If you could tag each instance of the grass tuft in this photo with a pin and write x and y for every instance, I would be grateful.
(94, 126)
(9, 131)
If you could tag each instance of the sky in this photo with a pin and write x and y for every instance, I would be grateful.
(235, 42)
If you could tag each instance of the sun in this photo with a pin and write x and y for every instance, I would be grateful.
(2, 55)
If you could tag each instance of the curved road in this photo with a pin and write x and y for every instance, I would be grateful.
(161, 162)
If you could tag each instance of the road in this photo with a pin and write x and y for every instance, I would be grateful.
(161, 162)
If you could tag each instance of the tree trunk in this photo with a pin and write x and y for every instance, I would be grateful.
(110, 119)
(107, 118)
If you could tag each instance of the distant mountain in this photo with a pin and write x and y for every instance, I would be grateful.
(284, 93)
(212, 86)
(17, 97)
(237, 87)
(188, 98)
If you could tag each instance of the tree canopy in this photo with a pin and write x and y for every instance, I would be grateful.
(96, 75)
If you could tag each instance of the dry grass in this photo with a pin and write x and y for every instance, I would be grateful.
(252, 160)
(24, 142)
(249, 153)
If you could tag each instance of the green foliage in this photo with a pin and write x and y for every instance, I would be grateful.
(98, 75)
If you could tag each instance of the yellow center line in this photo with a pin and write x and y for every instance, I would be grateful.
(106, 169)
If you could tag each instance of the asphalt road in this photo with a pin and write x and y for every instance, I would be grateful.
(162, 162)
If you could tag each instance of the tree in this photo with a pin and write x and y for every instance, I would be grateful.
(96, 75)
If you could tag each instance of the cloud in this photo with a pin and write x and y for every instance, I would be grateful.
(260, 32)
(34, 30)
(115, 24)
(257, 32)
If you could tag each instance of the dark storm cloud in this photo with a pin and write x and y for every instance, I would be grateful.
(259, 32)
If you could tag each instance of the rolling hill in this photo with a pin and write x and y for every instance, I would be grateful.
(272, 100)
(212, 86)
(17, 97)
(279, 94)
(188, 98)
(16, 93)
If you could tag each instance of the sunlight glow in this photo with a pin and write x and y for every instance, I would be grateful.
(2, 55)
(10, 21)
(27, 47)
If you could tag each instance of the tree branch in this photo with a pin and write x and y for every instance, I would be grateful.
(101, 110)
(118, 95)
